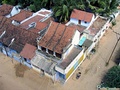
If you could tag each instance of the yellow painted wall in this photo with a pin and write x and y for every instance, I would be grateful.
(70, 72)
(81, 59)
(72, 69)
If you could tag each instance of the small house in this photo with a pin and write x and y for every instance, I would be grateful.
(82, 18)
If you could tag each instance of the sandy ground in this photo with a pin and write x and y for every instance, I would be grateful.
(92, 70)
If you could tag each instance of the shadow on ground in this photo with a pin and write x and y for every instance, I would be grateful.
(20, 69)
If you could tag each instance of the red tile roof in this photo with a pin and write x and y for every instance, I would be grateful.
(21, 16)
(21, 36)
(41, 25)
(5, 9)
(35, 19)
(28, 51)
(57, 37)
(81, 15)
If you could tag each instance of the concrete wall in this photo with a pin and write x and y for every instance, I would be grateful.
(73, 20)
(76, 38)
(86, 24)
(67, 51)
(14, 11)
(75, 41)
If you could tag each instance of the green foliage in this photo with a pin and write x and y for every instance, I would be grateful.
(112, 78)
(63, 8)
(11, 2)
(113, 23)
(32, 7)
(36, 5)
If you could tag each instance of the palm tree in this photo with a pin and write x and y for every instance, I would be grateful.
(61, 13)
(103, 7)
(63, 8)
(36, 5)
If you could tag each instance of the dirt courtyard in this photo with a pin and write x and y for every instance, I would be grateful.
(92, 70)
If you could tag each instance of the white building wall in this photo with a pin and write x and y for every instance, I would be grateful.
(39, 47)
(15, 23)
(92, 20)
(67, 52)
(76, 38)
(57, 68)
(14, 11)
(73, 20)
(99, 35)
(86, 24)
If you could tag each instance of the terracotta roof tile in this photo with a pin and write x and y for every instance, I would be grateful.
(41, 25)
(28, 51)
(81, 15)
(5, 9)
(33, 19)
(21, 36)
(65, 40)
(57, 37)
(21, 16)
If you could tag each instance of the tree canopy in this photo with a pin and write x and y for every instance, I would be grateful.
(63, 8)
(112, 78)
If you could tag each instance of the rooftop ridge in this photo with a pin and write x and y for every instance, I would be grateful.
(52, 36)
(60, 38)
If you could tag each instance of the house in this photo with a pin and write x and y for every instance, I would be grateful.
(81, 17)
(28, 52)
(58, 39)
(54, 47)
(69, 64)
(14, 38)
(22, 15)
(38, 22)
(97, 29)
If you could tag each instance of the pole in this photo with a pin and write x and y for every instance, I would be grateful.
(112, 51)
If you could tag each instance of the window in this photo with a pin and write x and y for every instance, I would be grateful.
(58, 55)
(95, 40)
(43, 49)
(33, 24)
(50, 52)
(79, 22)
(99, 35)
(103, 30)
(85, 22)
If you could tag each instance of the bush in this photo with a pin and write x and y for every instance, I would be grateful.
(112, 78)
